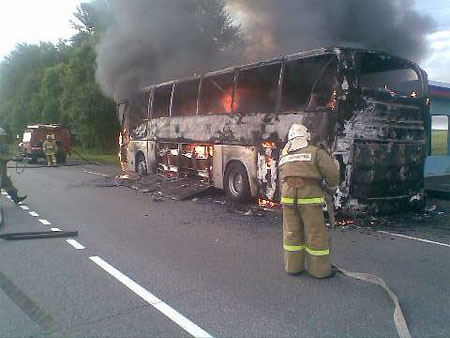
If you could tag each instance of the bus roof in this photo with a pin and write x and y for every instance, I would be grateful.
(294, 56)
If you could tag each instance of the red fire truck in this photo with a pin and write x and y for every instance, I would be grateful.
(35, 135)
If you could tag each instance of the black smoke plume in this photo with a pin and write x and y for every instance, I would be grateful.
(275, 27)
(150, 41)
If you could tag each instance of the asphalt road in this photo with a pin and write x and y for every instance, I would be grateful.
(192, 268)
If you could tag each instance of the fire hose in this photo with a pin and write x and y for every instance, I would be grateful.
(22, 163)
(399, 319)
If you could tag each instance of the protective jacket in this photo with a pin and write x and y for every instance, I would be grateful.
(50, 147)
(4, 154)
(303, 170)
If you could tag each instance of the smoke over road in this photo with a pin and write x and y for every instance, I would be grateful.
(149, 41)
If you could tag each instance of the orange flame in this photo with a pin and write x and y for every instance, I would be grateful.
(226, 101)
(265, 203)
(123, 143)
(345, 222)
(268, 144)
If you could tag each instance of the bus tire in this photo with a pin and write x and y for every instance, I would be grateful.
(236, 183)
(141, 165)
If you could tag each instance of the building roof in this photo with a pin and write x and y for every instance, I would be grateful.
(439, 89)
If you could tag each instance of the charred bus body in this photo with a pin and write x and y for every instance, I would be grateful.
(368, 108)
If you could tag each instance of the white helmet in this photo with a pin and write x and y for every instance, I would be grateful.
(299, 130)
(3, 132)
(298, 137)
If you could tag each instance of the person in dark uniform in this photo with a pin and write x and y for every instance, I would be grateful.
(6, 182)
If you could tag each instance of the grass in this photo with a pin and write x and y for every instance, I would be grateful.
(109, 157)
(439, 142)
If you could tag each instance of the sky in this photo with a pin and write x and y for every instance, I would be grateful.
(31, 21)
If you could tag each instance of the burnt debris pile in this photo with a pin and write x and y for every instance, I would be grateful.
(160, 187)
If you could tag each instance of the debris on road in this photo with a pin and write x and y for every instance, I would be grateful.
(434, 216)
(96, 174)
(161, 187)
(37, 234)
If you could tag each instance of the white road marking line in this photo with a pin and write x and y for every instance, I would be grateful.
(8, 196)
(4, 193)
(45, 222)
(75, 244)
(55, 229)
(34, 214)
(97, 174)
(157, 303)
(414, 238)
(24, 207)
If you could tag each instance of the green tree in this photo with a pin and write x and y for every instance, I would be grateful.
(90, 115)
(20, 84)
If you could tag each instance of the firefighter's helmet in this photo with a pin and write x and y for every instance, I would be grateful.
(298, 137)
(299, 130)
(49, 137)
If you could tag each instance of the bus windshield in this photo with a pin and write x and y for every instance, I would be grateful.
(383, 72)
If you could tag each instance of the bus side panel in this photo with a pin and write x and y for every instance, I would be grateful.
(218, 167)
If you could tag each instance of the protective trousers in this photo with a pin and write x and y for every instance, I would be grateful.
(304, 234)
(51, 159)
(5, 181)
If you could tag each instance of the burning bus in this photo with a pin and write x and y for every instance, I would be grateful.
(368, 108)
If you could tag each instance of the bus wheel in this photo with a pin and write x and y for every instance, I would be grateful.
(236, 183)
(141, 166)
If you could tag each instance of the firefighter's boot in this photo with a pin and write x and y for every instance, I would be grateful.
(16, 199)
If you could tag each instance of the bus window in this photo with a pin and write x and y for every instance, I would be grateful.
(309, 83)
(139, 114)
(161, 101)
(439, 135)
(185, 98)
(257, 89)
(388, 73)
(216, 94)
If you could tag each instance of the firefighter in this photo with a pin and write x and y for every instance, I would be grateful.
(305, 171)
(4, 178)
(50, 148)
